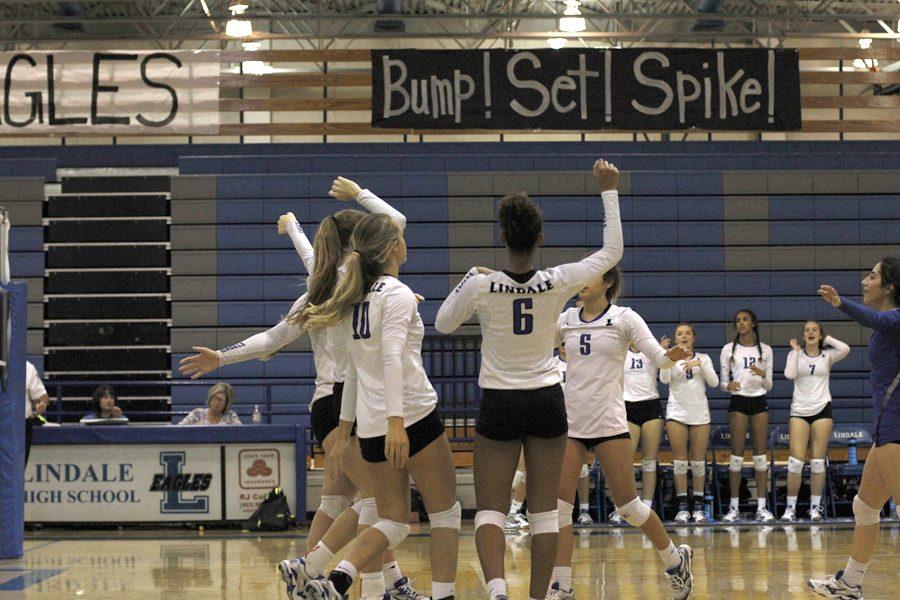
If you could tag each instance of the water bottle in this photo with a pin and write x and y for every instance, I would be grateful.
(892, 507)
(852, 454)
(257, 416)
(708, 505)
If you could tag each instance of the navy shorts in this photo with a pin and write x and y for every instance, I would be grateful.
(507, 415)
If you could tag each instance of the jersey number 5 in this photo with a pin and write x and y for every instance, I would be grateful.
(585, 344)
(361, 329)
(523, 322)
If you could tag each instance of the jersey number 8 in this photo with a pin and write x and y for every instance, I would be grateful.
(523, 322)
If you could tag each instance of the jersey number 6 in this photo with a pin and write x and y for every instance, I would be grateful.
(523, 322)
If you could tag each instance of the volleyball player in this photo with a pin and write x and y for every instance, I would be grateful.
(881, 477)
(596, 338)
(399, 430)
(746, 372)
(809, 366)
(687, 420)
(522, 403)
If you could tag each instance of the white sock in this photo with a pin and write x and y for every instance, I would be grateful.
(496, 587)
(792, 502)
(317, 560)
(670, 556)
(442, 590)
(815, 501)
(584, 507)
(733, 504)
(562, 576)
(348, 568)
(515, 507)
(648, 502)
(372, 585)
(854, 573)
(392, 573)
(760, 504)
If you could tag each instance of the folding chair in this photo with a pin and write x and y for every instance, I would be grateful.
(841, 435)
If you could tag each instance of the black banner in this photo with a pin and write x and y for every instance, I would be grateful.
(582, 89)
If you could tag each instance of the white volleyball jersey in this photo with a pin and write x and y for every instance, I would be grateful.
(687, 389)
(737, 368)
(518, 312)
(267, 344)
(811, 374)
(595, 351)
(640, 378)
(561, 366)
(384, 345)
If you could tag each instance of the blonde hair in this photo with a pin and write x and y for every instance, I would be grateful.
(226, 390)
(373, 239)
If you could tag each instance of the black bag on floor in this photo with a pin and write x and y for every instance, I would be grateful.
(273, 514)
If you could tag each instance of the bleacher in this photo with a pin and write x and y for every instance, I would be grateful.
(709, 228)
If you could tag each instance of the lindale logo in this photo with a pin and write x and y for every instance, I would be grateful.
(259, 468)
(173, 483)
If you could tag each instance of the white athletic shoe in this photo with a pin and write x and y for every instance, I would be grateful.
(733, 515)
(321, 589)
(558, 594)
(402, 590)
(789, 515)
(294, 576)
(585, 519)
(614, 518)
(700, 516)
(515, 522)
(683, 516)
(764, 516)
(681, 578)
(834, 587)
(816, 513)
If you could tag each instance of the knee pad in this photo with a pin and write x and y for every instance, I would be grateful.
(368, 514)
(544, 522)
(447, 519)
(584, 471)
(565, 512)
(680, 467)
(760, 462)
(394, 532)
(864, 514)
(518, 479)
(698, 468)
(635, 512)
(333, 506)
(735, 464)
(795, 465)
(817, 465)
(648, 466)
(490, 517)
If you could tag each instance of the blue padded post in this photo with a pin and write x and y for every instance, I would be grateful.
(12, 424)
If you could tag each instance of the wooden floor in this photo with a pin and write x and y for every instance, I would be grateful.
(730, 563)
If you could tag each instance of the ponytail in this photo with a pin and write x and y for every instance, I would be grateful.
(331, 244)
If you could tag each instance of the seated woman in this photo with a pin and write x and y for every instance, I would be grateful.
(103, 406)
(218, 411)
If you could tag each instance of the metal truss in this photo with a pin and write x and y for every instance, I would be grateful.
(464, 23)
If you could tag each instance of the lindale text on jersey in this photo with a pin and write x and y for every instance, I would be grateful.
(501, 288)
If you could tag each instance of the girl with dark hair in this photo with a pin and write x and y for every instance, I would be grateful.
(322, 260)
(881, 477)
(595, 339)
(687, 420)
(809, 367)
(103, 405)
(746, 372)
(400, 433)
(522, 403)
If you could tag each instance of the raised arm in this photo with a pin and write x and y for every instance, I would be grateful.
(598, 263)
(460, 304)
(345, 189)
(887, 321)
(790, 367)
(709, 372)
(646, 343)
(838, 349)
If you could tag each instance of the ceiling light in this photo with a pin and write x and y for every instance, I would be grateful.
(251, 46)
(865, 43)
(572, 22)
(238, 28)
(237, 7)
(556, 42)
(256, 67)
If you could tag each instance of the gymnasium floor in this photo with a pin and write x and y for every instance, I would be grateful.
(730, 563)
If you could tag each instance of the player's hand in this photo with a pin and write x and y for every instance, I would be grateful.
(665, 342)
(198, 365)
(335, 467)
(116, 412)
(830, 295)
(284, 222)
(676, 353)
(607, 175)
(757, 371)
(396, 443)
(484, 271)
(419, 298)
(734, 386)
(344, 189)
(795, 345)
(689, 365)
